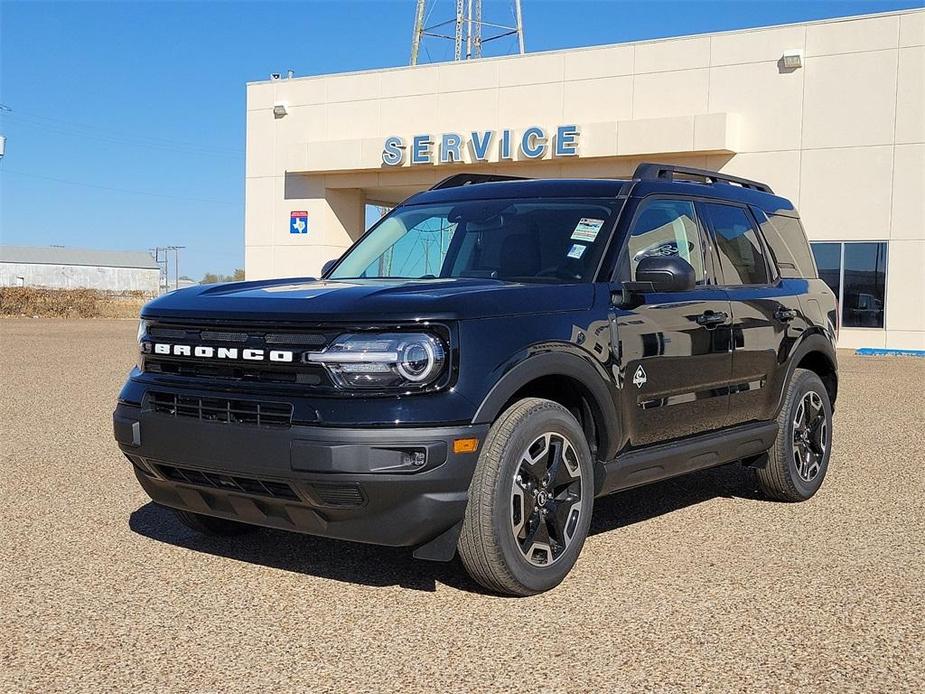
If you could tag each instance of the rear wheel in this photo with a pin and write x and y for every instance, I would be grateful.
(799, 459)
(530, 500)
(209, 525)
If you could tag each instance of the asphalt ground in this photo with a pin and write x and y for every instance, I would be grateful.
(692, 584)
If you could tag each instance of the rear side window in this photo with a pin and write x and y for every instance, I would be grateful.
(741, 256)
(788, 244)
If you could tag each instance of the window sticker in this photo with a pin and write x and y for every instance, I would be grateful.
(576, 251)
(587, 229)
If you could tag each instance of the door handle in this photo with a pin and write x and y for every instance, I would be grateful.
(785, 315)
(710, 319)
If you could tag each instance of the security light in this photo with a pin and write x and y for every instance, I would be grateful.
(279, 110)
(792, 59)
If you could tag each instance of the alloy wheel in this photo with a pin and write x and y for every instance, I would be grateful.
(810, 436)
(546, 498)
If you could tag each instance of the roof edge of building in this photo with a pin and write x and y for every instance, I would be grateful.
(680, 37)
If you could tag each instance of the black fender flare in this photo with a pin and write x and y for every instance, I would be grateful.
(592, 377)
(813, 342)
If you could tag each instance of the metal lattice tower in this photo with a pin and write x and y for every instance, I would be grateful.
(468, 26)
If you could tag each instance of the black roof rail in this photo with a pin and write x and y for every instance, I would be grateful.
(666, 172)
(465, 179)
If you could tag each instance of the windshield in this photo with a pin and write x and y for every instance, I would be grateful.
(510, 240)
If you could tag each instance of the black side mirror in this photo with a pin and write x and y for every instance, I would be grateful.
(328, 266)
(667, 273)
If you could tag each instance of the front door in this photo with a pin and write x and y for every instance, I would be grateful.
(672, 348)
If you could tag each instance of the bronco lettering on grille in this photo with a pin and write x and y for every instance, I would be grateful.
(206, 352)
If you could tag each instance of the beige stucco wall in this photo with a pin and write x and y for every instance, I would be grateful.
(843, 136)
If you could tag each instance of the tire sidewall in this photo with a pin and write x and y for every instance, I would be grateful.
(808, 382)
(535, 423)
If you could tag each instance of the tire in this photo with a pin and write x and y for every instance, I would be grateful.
(507, 543)
(806, 433)
(209, 525)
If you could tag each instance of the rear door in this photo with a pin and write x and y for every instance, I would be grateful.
(766, 313)
(672, 348)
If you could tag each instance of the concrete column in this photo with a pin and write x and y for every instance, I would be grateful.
(336, 218)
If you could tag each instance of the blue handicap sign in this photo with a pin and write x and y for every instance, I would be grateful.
(298, 222)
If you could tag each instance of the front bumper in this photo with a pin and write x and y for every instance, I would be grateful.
(400, 486)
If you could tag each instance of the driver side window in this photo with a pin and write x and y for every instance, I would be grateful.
(666, 228)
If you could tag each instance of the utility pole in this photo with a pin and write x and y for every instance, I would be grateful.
(162, 258)
(418, 32)
(3, 109)
(468, 28)
(162, 264)
(176, 265)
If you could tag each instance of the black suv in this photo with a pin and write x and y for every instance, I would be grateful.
(486, 360)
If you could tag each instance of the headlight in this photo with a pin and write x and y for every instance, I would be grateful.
(385, 360)
(142, 329)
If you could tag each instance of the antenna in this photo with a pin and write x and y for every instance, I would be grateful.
(467, 26)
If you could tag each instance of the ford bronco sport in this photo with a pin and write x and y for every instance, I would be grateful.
(486, 360)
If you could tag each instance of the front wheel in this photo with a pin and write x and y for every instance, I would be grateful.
(530, 500)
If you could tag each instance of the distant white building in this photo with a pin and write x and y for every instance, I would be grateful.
(55, 267)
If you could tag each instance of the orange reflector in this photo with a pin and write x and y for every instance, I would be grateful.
(465, 445)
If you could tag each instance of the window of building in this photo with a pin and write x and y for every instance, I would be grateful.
(741, 256)
(665, 228)
(856, 273)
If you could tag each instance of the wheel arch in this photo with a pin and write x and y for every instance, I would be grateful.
(816, 353)
(567, 379)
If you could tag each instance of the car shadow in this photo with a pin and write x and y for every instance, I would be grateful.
(378, 566)
(652, 500)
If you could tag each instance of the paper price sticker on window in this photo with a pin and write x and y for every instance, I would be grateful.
(587, 229)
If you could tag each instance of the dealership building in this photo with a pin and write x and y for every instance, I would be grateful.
(830, 114)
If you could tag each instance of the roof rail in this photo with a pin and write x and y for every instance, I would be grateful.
(666, 172)
(465, 179)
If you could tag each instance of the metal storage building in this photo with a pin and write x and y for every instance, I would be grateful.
(57, 267)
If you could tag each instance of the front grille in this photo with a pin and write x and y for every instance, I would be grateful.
(226, 411)
(240, 336)
(308, 375)
(248, 485)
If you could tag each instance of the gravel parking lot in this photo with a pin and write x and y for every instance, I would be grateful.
(696, 583)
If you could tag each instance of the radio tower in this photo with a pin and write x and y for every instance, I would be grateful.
(468, 25)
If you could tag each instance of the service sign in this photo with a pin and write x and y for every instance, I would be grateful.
(483, 145)
(298, 222)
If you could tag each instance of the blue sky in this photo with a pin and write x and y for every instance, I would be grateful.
(142, 103)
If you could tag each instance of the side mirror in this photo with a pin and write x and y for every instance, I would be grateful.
(328, 266)
(667, 273)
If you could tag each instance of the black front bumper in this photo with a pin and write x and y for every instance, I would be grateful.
(401, 486)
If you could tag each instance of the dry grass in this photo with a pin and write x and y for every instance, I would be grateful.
(70, 303)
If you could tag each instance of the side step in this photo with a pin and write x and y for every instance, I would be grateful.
(660, 462)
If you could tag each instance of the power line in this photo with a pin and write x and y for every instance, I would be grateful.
(124, 141)
(68, 127)
(116, 190)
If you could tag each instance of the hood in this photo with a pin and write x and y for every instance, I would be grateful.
(308, 299)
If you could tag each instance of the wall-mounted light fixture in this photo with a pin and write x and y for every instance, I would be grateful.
(279, 110)
(792, 59)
